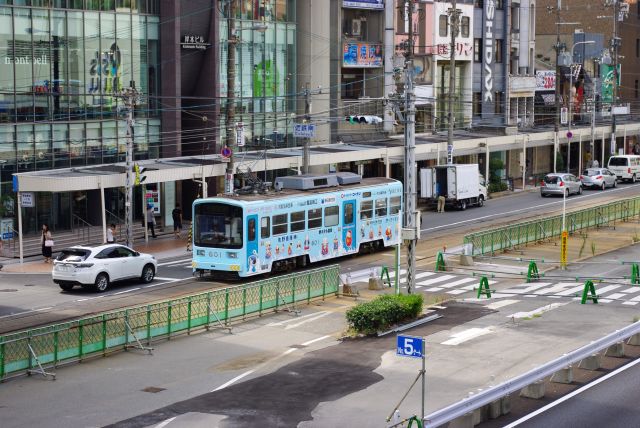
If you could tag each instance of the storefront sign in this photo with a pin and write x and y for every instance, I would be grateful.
(488, 57)
(607, 78)
(545, 80)
(6, 229)
(152, 197)
(362, 55)
(364, 4)
(194, 42)
(27, 199)
(463, 50)
(240, 134)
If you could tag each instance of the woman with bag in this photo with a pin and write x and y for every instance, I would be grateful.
(47, 243)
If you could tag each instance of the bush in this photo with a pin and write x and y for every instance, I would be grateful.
(500, 186)
(383, 312)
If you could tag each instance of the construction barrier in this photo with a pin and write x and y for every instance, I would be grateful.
(26, 351)
(440, 264)
(508, 237)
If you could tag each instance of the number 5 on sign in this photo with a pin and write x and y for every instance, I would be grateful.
(410, 346)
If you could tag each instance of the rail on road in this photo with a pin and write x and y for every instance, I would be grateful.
(509, 237)
(38, 349)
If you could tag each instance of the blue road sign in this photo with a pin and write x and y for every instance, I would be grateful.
(409, 346)
(304, 130)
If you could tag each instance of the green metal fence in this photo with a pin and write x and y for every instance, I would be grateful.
(503, 238)
(113, 331)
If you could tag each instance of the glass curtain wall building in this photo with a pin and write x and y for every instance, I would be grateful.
(265, 85)
(62, 63)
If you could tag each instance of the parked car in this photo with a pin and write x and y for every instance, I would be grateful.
(560, 184)
(97, 267)
(598, 178)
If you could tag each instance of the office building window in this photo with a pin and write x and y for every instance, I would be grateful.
(444, 25)
(498, 48)
(498, 100)
(477, 103)
(499, 4)
(477, 50)
(464, 26)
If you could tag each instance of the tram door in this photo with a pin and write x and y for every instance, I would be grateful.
(253, 261)
(349, 226)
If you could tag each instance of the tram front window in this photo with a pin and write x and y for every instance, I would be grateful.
(218, 226)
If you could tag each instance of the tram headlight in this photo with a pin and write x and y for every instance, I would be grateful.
(232, 255)
(200, 253)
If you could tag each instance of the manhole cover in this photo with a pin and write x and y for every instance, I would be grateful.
(153, 389)
(8, 290)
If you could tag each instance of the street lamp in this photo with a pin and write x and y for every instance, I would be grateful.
(569, 135)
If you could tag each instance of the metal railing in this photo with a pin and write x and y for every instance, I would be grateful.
(492, 394)
(508, 237)
(48, 346)
(83, 227)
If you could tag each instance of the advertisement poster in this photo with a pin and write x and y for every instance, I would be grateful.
(362, 55)
(265, 79)
(364, 4)
(545, 80)
(606, 77)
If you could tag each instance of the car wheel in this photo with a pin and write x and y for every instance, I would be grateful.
(603, 186)
(633, 178)
(463, 204)
(102, 282)
(65, 286)
(147, 274)
(567, 193)
(615, 183)
(480, 200)
(544, 195)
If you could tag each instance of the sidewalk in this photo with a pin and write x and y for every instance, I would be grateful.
(162, 247)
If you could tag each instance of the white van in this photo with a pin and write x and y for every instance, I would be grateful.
(625, 167)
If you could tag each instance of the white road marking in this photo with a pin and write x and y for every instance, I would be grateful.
(571, 290)
(528, 289)
(167, 279)
(458, 282)
(165, 423)
(43, 309)
(435, 280)
(175, 261)
(630, 303)
(615, 296)
(237, 378)
(456, 292)
(501, 304)
(319, 315)
(275, 324)
(90, 298)
(471, 287)
(606, 289)
(631, 290)
(431, 290)
(553, 290)
(573, 394)
(125, 291)
(467, 335)
(309, 342)
(538, 311)
(635, 299)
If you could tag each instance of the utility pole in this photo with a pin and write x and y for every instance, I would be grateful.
(230, 113)
(454, 17)
(556, 127)
(307, 112)
(615, 44)
(129, 97)
(409, 156)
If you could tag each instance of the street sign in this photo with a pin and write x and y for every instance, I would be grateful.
(564, 115)
(240, 134)
(410, 346)
(304, 130)
(27, 199)
(225, 152)
(563, 248)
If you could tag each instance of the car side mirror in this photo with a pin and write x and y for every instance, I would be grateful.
(136, 254)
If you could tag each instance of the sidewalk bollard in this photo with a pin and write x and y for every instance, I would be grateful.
(440, 265)
(483, 289)
(532, 272)
(589, 293)
(635, 276)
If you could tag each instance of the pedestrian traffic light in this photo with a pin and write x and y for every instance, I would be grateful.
(364, 119)
(140, 178)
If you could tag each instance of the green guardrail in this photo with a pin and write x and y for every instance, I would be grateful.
(25, 351)
(503, 238)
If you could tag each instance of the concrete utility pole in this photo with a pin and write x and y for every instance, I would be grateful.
(307, 112)
(230, 113)
(409, 156)
(454, 19)
(129, 97)
(556, 126)
(615, 44)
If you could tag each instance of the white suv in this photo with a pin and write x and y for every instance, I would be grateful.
(98, 266)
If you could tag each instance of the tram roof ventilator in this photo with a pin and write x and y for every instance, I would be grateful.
(316, 181)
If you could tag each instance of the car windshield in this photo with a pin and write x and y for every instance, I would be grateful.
(73, 255)
(552, 179)
(217, 225)
(592, 172)
(614, 161)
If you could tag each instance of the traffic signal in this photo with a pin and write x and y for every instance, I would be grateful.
(138, 172)
(364, 119)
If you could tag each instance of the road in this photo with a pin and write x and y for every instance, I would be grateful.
(31, 299)
(611, 401)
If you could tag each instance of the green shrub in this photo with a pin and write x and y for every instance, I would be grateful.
(497, 187)
(383, 312)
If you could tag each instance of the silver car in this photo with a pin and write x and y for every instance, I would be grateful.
(560, 184)
(598, 178)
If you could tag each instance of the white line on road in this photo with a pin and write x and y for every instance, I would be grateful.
(467, 335)
(125, 291)
(309, 342)
(500, 304)
(168, 279)
(43, 309)
(572, 394)
(541, 310)
(174, 261)
(275, 324)
(89, 298)
(320, 315)
(165, 423)
(224, 385)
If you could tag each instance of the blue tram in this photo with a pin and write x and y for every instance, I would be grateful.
(308, 219)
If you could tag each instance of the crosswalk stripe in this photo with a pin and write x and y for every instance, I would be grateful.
(456, 292)
(615, 296)
(458, 282)
(606, 289)
(630, 290)
(554, 289)
(434, 289)
(435, 280)
(526, 290)
(630, 303)
(635, 299)
(473, 286)
(571, 290)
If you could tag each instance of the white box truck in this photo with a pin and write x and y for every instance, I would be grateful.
(460, 184)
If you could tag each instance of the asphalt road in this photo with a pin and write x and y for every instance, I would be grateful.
(611, 401)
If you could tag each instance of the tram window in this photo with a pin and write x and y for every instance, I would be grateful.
(348, 213)
(331, 216)
(381, 207)
(252, 229)
(366, 194)
(297, 221)
(314, 218)
(264, 227)
(394, 206)
(280, 224)
(366, 210)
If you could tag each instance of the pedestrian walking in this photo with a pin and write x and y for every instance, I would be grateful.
(151, 221)
(111, 234)
(46, 239)
(177, 221)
